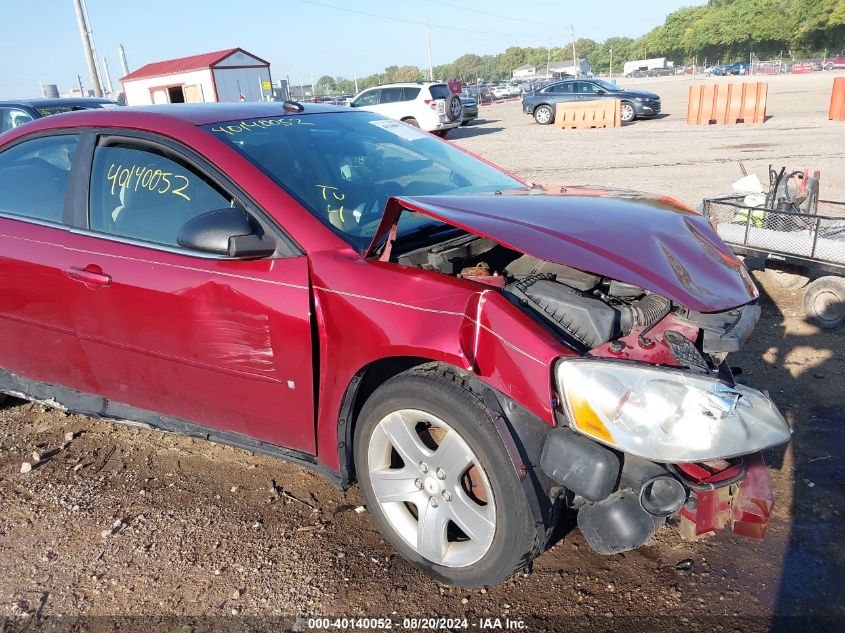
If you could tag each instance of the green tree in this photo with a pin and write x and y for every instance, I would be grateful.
(325, 85)
(407, 73)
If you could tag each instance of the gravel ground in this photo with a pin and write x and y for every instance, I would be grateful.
(667, 156)
(121, 521)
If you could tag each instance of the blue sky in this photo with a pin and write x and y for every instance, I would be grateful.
(299, 38)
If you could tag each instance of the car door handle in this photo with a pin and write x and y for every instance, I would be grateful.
(90, 275)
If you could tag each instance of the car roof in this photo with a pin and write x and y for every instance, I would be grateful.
(36, 103)
(407, 84)
(191, 113)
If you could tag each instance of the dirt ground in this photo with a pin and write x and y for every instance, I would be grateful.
(667, 156)
(121, 521)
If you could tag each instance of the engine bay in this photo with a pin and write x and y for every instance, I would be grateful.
(584, 310)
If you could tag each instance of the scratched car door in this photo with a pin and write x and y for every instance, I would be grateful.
(220, 342)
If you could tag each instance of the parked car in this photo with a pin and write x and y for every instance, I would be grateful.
(429, 106)
(501, 92)
(340, 290)
(17, 112)
(469, 110)
(737, 68)
(635, 103)
(834, 63)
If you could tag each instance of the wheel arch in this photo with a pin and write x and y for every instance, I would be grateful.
(522, 432)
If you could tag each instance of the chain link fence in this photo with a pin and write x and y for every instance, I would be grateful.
(819, 235)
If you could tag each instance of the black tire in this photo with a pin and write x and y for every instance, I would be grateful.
(411, 121)
(627, 112)
(824, 302)
(454, 108)
(465, 122)
(514, 543)
(546, 115)
(3, 398)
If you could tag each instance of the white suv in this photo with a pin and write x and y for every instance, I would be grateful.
(428, 106)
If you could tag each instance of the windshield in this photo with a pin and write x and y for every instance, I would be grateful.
(343, 167)
(607, 85)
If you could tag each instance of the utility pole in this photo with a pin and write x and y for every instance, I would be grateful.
(81, 91)
(109, 86)
(93, 45)
(355, 78)
(86, 44)
(574, 59)
(428, 46)
(611, 61)
(549, 57)
(123, 61)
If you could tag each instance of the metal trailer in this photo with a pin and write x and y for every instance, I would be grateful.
(801, 250)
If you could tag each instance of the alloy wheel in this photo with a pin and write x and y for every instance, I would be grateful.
(543, 115)
(627, 112)
(432, 488)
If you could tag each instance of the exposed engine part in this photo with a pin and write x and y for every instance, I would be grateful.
(648, 311)
(725, 331)
(623, 290)
(585, 310)
(588, 319)
(530, 266)
(685, 351)
(448, 257)
(481, 273)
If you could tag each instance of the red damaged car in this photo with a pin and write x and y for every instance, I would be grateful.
(352, 294)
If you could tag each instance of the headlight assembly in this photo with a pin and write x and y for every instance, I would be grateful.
(666, 415)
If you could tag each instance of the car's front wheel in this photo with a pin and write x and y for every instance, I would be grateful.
(439, 483)
(543, 115)
(627, 112)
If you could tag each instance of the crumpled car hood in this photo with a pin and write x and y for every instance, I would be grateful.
(654, 243)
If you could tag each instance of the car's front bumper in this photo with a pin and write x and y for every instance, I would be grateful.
(645, 109)
(614, 493)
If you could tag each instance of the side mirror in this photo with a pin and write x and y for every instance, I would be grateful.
(226, 232)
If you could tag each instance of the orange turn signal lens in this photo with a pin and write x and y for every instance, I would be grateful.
(586, 420)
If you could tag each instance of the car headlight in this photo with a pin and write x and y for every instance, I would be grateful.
(666, 415)
(641, 99)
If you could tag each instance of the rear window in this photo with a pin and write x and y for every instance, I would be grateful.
(440, 91)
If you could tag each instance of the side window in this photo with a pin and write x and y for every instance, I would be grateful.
(391, 95)
(585, 87)
(12, 118)
(34, 177)
(147, 194)
(409, 94)
(562, 89)
(366, 99)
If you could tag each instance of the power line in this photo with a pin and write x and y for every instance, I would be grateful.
(496, 15)
(414, 22)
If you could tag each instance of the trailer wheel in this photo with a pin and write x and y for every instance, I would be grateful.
(824, 302)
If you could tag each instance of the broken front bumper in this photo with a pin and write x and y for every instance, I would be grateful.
(623, 501)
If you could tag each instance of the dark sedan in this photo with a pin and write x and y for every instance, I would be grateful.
(635, 103)
(20, 111)
(469, 109)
